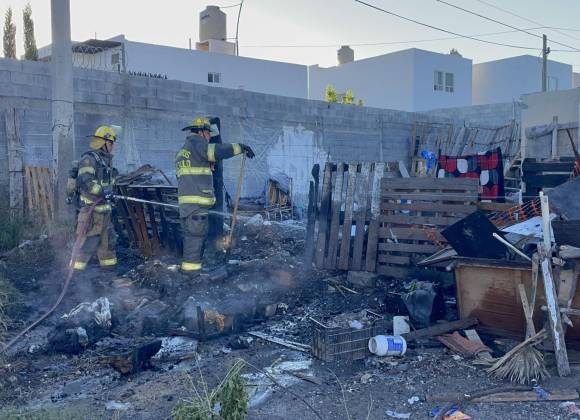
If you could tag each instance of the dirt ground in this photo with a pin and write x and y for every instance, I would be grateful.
(36, 382)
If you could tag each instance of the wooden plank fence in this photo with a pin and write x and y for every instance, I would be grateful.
(370, 219)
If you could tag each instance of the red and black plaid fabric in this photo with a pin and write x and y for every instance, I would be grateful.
(487, 167)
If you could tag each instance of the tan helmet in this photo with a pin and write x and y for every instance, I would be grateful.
(198, 124)
(103, 134)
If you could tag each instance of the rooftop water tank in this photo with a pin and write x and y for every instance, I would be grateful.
(212, 24)
(345, 55)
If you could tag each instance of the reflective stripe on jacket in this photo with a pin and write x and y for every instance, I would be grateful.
(194, 173)
(95, 174)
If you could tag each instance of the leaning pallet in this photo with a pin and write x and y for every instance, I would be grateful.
(413, 211)
(348, 215)
(39, 193)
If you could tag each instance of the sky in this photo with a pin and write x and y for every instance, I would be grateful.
(310, 31)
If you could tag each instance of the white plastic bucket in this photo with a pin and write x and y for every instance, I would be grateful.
(388, 345)
(401, 325)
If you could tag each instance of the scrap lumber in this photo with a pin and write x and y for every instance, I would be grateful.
(343, 261)
(509, 396)
(554, 316)
(441, 328)
(528, 311)
(472, 335)
(323, 215)
(335, 217)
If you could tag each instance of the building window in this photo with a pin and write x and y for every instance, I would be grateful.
(444, 82)
(552, 83)
(115, 58)
(449, 82)
(214, 77)
(438, 82)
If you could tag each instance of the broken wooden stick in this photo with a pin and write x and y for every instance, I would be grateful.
(439, 329)
(509, 396)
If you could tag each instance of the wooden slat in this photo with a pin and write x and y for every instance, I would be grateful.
(394, 259)
(323, 215)
(454, 184)
(433, 207)
(347, 226)
(330, 262)
(430, 196)
(361, 216)
(49, 187)
(393, 271)
(373, 236)
(403, 247)
(420, 220)
(410, 233)
(28, 179)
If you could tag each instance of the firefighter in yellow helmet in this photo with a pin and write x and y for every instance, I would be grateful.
(193, 167)
(95, 181)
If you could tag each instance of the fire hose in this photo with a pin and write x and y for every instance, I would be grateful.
(75, 250)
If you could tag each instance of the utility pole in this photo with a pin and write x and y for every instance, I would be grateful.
(545, 52)
(62, 105)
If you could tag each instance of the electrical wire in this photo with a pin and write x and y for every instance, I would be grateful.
(555, 29)
(445, 30)
(232, 5)
(366, 44)
(504, 24)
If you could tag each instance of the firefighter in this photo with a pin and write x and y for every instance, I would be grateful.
(95, 180)
(193, 166)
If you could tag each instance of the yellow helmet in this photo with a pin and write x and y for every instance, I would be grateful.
(198, 124)
(104, 133)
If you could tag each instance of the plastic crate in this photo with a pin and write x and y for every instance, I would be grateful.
(335, 344)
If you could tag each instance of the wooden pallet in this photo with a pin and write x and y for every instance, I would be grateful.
(151, 228)
(412, 213)
(348, 216)
(39, 193)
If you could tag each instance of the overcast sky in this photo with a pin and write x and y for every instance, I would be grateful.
(291, 26)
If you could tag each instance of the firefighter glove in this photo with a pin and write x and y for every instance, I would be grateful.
(247, 151)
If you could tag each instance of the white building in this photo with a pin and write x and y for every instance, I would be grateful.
(507, 79)
(409, 80)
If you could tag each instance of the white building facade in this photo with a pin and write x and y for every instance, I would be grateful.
(408, 80)
(507, 79)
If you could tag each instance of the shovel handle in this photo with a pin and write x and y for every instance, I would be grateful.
(237, 201)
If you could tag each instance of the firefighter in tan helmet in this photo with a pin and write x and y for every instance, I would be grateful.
(193, 167)
(94, 182)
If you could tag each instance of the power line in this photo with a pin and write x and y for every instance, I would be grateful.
(365, 44)
(444, 30)
(503, 24)
(555, 29)
(231, 5)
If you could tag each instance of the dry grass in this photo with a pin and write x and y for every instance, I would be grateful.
(10, 300)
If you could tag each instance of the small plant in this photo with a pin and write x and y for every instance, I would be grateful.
(228, 401)
(10, 301)
(348, 98)
(330, 95)
(360, 102)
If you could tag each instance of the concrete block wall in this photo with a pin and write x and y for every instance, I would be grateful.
(288, 134)
(490, 115)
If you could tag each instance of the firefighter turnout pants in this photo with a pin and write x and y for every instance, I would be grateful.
(100, 238)
(195, 230)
